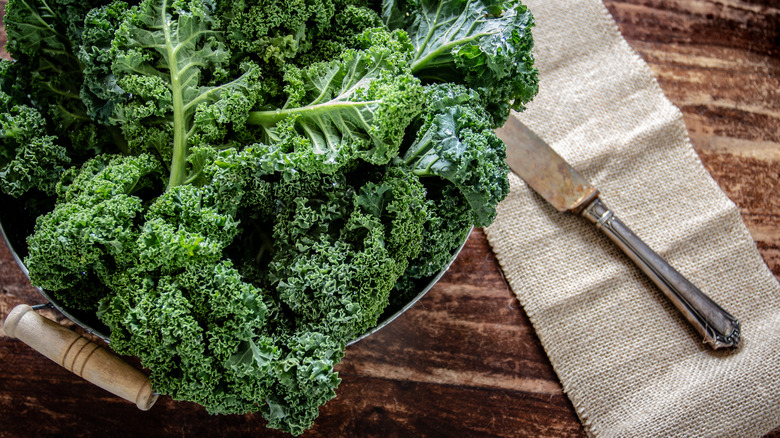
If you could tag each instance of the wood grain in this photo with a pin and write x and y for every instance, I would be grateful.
(465, 360)
(719, 62)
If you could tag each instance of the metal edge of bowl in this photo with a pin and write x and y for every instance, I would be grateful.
(382, 323)
(43, 293)
(435, 279)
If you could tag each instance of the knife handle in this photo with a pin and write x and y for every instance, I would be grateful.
(717, 327)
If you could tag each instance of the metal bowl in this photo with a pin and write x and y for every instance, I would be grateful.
(16, 224)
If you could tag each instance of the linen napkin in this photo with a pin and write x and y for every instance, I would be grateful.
(628, 361)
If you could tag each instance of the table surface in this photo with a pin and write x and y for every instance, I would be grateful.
(465, 361)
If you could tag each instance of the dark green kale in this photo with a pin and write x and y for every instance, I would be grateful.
(238, 190)
(456, 143)
(483, 44)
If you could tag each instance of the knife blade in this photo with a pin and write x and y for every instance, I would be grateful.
(561, 185)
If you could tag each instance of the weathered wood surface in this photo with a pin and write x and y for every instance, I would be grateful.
(465, 360)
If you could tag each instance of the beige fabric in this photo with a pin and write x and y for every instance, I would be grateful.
(631, 366)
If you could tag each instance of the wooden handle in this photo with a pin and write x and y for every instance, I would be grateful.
(80, 355)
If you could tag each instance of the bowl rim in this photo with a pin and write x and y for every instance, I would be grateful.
(383, 322)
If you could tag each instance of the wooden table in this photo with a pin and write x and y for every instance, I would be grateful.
(465, 360)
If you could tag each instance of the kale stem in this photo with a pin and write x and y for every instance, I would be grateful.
(422, 63)
(179, 160)
(431, 31)
(269, 118)
(419, 148)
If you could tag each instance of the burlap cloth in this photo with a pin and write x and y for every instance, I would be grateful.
(629, 363)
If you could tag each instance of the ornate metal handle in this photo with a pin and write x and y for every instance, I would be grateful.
(718, 328)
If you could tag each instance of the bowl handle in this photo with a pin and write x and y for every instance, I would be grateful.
(80, 355)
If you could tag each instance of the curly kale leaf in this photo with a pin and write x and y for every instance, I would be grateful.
(348, 25)
(29, 159)
(277, 33)
(305, 380)
(38, 163)
(154, 267)
(92, 231)
(100, 91)
(342, 247)
(448, 222)
(354, 108)
(45, 37)
(192, 329)
(45, 125)
(484, 44)
(457, 143)
(276, 30)
(164, 57)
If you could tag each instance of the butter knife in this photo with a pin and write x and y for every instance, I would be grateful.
(557, 182)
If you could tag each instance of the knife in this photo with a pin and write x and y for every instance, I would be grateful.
(559, 184)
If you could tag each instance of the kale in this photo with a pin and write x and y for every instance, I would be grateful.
(239, 189)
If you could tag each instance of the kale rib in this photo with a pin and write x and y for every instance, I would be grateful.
(179, 156)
